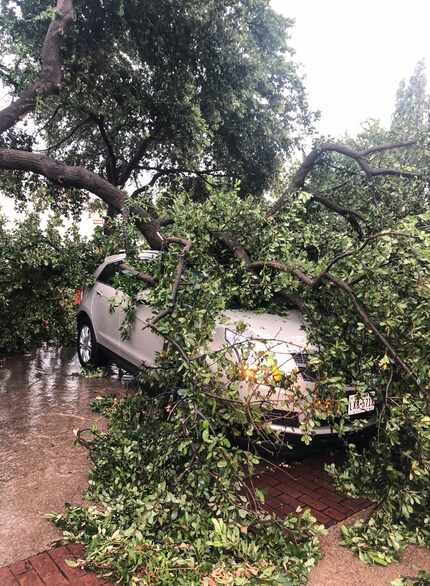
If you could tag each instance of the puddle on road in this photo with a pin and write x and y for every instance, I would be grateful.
(38, 391)
(43, 398)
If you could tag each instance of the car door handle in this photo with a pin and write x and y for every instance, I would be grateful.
(99, 294)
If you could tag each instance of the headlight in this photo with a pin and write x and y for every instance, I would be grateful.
(247, 372)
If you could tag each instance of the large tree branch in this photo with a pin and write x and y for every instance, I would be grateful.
(51, 74)
(78, 178)
(314, 282)
(360, 157)
(180, 268)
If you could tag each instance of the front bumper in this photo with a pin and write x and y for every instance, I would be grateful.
(288, 425)
(324, 430)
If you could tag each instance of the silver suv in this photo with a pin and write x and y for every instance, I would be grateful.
(283, 338)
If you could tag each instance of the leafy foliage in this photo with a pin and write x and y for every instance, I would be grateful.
(171, 513)
(390, 275)
(209, 93)
(40, 269)
(422, 579)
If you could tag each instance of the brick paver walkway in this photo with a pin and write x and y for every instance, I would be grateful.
(50, 569)
(305, 484)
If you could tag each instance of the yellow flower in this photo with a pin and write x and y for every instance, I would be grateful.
(276, 374)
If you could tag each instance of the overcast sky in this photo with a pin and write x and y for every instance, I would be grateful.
(354, 54)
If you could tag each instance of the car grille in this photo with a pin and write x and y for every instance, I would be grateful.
(302, 361)
(284, 418)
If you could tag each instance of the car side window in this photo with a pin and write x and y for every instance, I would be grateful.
(108, 274)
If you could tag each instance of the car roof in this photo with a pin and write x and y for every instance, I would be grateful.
(144, 255)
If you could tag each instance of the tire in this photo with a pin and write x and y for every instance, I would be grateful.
(89, 352)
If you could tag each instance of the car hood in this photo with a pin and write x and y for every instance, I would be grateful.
(288, 329)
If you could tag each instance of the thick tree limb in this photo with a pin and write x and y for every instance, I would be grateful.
(78, 178)
(51, 74)
(360, 157)
(62, 174)
(234, 245)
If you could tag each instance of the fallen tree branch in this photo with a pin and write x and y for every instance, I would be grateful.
(180, 268)
(77, 177)
(145, 277)
(314, 282)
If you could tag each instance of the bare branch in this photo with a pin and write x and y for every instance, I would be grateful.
(314, 156)
(127, 169)
(111, 166)
(51, 74)
(65, 139)
(388, 147)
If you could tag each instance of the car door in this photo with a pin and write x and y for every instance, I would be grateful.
(105, 314)
(142, 344)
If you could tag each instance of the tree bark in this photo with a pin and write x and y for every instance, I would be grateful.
(78, 178)
(51, 74)
(360, 157)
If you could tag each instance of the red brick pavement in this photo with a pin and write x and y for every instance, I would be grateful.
(305, 484)
(50, 569)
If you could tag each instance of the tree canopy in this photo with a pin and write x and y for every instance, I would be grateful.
(161, 91)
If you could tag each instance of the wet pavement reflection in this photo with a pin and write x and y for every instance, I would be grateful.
(43, 398)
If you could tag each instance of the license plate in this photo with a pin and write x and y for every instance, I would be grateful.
(360, 404)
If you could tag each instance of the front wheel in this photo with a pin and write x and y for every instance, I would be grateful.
(89, 353)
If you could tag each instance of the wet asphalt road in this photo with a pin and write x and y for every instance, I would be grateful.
(43, 399)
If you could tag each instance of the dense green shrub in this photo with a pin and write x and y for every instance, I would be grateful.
(40, 268)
